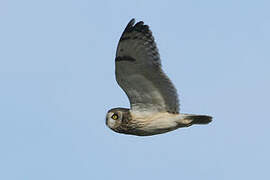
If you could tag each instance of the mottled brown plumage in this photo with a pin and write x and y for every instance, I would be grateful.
(153, 97)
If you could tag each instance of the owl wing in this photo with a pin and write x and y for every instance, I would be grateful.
(139, 74)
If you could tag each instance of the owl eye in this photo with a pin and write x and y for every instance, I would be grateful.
(114, 116)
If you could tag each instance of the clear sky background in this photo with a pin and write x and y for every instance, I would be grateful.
(57, 83)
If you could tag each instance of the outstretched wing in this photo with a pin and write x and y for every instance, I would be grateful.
(139, 74)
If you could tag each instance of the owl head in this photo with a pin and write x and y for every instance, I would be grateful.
(116, 117)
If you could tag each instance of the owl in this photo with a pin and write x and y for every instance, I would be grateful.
(154, 104)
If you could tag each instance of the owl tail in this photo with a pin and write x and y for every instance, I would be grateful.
(191, 119)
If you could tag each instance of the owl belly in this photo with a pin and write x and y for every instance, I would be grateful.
(156, 123)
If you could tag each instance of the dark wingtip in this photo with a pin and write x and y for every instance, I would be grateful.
(139, 26)
(130, 25)
(131, 22)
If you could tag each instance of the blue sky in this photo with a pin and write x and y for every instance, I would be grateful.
(57, 83)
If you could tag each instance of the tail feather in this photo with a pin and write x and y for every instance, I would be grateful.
(197, 119)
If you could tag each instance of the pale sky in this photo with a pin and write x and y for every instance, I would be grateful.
(57, 83)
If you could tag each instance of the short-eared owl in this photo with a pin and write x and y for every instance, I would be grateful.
(153, 98)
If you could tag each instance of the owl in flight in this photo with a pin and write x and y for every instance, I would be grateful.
(154, 105)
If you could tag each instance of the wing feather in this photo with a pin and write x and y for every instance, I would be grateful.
(139, 73)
